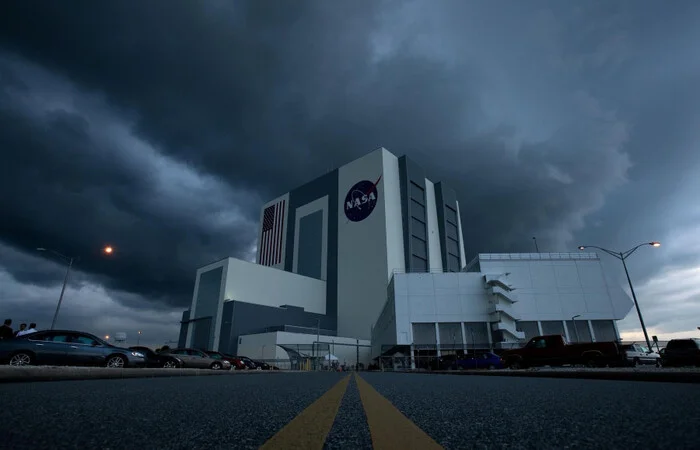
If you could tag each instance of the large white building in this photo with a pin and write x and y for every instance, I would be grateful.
(498, 301)
(360, 245)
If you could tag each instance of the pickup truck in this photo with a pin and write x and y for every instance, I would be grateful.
(553, 350)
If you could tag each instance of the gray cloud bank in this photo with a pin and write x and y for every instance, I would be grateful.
(161, 130)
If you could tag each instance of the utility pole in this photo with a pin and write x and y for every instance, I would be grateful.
(537, 249)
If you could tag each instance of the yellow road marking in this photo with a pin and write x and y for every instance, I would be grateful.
(389, 428)
(310, 428)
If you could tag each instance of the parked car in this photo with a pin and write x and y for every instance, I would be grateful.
(154, 359)
(637, 354)
(250, 364)
(67, 348)
(233, 361)
(197, 359)
(681, 352)
(478, 360)
(553, 350)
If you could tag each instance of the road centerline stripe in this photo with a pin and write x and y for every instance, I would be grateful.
(389, 427)
(310, 428)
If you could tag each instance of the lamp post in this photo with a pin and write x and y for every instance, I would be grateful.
(70, 261)
(622, 256)
(138, 338)
(573, 319)
(108, 250)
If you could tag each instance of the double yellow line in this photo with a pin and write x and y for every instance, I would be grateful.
(388, 427)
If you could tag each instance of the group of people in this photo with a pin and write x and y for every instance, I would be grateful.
(6, 331)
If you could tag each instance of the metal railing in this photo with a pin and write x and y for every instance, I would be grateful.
(403, 271)
(536, 256)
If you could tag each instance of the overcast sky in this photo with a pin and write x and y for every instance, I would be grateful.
(161, 129)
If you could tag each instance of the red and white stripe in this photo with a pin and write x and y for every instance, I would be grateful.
(271, 240)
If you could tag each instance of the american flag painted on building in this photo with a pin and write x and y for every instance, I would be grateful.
(271, 241)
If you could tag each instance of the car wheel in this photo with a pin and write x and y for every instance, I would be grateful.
(515, 365)
(635, 362)
(116, 362)
(592, 362)
(21, 359)
(170, 364)
(215, 366)
(492, 367)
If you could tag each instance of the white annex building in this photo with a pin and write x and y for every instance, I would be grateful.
(374, 251)
(498, 301)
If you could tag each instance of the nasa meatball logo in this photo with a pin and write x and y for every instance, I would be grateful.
(361, 200)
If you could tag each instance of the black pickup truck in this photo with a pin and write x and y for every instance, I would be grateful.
(553, 350)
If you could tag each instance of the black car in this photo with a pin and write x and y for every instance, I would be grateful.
(252, 365)
(67, 348)
(154, 359)
(681, 352)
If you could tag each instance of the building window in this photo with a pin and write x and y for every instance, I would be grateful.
(452, 246)
(453, 263)
(450, 215)
(417, 193)
(418, 264)
(418, 228)
(451, 231)
(417, 210)
(419, 247)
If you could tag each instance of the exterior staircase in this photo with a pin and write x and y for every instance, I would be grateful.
(502, 315)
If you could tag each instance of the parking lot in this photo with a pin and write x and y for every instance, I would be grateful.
(380, 410)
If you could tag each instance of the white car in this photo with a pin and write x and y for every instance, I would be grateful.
(637, 354)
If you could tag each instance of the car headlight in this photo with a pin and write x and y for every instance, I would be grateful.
(137, 354)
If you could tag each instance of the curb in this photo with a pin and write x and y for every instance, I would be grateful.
(29, 374)
(666, 377)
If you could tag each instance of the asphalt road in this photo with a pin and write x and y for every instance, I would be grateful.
(331, 410)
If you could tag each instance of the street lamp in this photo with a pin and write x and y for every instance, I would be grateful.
(138, 338)
(70, 261)
(622, 256)
(573, 319)
(108, 250)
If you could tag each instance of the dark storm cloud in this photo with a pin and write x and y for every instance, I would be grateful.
(538, 114)
(80, 181)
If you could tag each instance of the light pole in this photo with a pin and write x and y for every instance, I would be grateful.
(70, 261)
(138, 338)
(573, 319)
(622, 256)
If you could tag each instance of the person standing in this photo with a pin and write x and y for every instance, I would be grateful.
(6, 330)
(22, 327)
(30, 330)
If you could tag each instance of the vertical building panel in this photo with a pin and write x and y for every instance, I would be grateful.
(310, 245)
(362, 244)
(415, 218)
(323, 186)
(448, 223)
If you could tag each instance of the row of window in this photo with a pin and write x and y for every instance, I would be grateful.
(419, 232)
(452, 237)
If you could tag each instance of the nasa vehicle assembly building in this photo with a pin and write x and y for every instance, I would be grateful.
(369, 259)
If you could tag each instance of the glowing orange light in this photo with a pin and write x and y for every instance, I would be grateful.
(108, 250)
